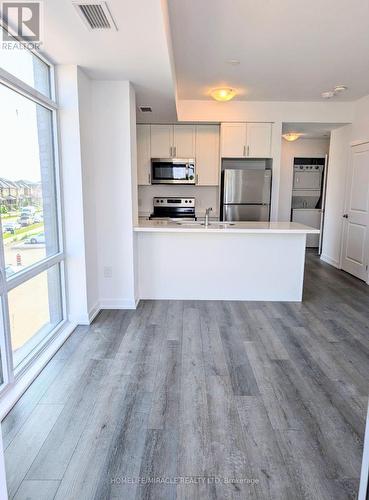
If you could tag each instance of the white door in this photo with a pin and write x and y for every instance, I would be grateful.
(184, 141)
(355, 246)
(233, 140)
(207, 155)
(161, 141)
(259, 140)
(143, 155)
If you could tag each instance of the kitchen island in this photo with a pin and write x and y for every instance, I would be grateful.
(261, 261)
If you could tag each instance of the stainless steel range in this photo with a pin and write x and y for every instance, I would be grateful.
(174, 208)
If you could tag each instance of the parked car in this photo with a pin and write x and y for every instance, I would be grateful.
(28, 211)
(26, 220)
(38, 218)
(10, 227)
(35, 239)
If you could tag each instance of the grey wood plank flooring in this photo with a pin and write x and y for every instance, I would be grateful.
(202, 400)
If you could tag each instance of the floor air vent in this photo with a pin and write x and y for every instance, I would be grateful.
(95, 15)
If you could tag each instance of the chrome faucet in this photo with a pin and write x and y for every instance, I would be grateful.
(207, 212)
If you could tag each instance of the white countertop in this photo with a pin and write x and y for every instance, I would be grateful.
(163, 226)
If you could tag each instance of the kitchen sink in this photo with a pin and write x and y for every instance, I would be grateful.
(211, 224)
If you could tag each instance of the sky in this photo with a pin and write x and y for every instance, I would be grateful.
(19, 149)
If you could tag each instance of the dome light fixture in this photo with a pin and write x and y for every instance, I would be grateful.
(327, 94)
(222, 94)
(291, 136)
(338, 89)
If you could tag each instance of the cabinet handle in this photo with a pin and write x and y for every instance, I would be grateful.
(170, 152)
(197, 178)
(248, 150)
(149, 178)
(244, 151)
(345, 216)
(175, 151)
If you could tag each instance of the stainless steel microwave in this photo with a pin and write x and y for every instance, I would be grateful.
(173, 171)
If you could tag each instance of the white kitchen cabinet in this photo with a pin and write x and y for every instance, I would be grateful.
(184, 141)
(259, 137)
(207, 155)
(246, 140)
(233, 140)
(161, 141)
(143, 155)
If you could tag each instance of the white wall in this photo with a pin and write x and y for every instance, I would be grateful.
(360, 124)
(89, 190)
(335, 198)
(98, 145)
(290, 150)
(248, 111)
(72, 193)
(206, 196)
(114, 150)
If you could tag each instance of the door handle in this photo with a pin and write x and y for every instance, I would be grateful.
(345, 216)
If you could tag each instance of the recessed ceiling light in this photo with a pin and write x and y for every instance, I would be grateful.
(339, 88)
(233, 62)
(292, 136)
(328, 94)
(223, 94)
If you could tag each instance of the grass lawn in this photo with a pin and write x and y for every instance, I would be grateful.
(23, 231)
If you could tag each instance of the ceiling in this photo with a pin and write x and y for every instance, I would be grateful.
(311, 130)
(138, 51)
(288, 50)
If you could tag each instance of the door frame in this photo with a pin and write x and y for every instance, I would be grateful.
(345, 204)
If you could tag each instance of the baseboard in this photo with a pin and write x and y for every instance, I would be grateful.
(118, 304)
(15, 390)
(94, 311)
(330, 261)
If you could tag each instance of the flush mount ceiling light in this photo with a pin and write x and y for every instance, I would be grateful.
(233, 62)
(222, 94)
(338, 89)
(291, 136)
(328, 94)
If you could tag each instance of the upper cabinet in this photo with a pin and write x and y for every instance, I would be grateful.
(246, 140)
(161, 141)
(207, 155)
(184, 141)
(143, 155)
(259, 138)
(200, 142)
(233, 140)
(173, 141)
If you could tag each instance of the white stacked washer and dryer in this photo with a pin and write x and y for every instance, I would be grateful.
(308, 195)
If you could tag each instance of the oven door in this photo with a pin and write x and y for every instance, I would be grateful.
(170, 171)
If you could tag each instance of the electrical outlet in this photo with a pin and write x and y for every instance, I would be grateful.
(108, 272)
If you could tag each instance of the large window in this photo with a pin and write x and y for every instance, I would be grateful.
(31, 253)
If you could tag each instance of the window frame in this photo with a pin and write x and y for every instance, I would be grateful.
(11, 374)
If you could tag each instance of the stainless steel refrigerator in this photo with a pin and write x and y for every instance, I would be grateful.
(246, 194)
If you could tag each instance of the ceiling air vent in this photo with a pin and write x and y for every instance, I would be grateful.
(95, 15)
(145, 109)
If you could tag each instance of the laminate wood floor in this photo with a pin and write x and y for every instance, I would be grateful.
(197, 400)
